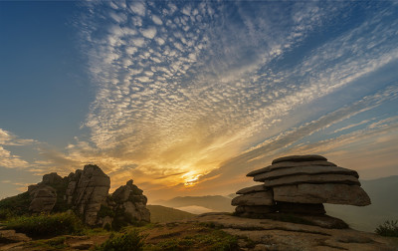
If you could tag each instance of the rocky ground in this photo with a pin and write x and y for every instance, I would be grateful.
(252, 234)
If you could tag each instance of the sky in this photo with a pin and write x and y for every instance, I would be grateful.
(187, 97)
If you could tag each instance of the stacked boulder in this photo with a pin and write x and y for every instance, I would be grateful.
(299, 184)
(130, 199)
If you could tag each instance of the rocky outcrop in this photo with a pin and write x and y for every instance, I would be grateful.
(130, 199)
(299, 184)
(43, 198)
(86, 193)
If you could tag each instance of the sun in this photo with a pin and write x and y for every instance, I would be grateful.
(191, 178)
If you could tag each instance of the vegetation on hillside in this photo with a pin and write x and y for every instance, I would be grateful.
(167, 214)
(14, 206)
(46, 225)
(123, 242)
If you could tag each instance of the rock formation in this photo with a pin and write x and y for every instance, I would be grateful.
(299, 184)
(86, 193)
(129, 198)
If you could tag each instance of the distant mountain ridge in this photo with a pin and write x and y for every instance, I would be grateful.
(214, 202)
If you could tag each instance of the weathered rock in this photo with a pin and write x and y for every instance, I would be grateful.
(43, 198)
(126, 192)
(10, 236)
(299, 158)
(314, 179)
(85, 192)
(130, 199)
(301, 208)
(253, 189)
(91, 191)
(322, 193)
(289, 164)
(287, 236)
(254, 199)
(299, 185)
(308, 169)
(52, 179)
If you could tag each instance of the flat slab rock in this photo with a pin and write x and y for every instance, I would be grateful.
(285, 236)
(254, 199)
(289, 164)
(314, 179)
(298, 158)
(305, 169)
(252, 189)
(322, 193)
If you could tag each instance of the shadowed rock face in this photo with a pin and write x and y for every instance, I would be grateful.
(86, 192)
(89, 191)
(299, 184)
(129, 198)
(43, 198)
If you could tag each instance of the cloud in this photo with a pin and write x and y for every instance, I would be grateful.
(352, 125)
(193, 85)
(156, 20)
(8, 160)
(138, 8)
(284, 141)
(9, 139)
(149, 33)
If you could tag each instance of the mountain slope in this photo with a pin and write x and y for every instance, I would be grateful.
(166, 214)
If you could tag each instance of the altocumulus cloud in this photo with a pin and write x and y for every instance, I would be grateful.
(189, 91)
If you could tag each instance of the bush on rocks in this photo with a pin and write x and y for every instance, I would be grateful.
(125, 242)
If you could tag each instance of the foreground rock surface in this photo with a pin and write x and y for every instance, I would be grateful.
(284, 236)
(252, 234)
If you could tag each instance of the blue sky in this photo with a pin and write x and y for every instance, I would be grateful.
(186, 97)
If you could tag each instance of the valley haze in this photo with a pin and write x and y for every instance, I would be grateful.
(187, 97)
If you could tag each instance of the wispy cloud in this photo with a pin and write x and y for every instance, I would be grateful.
(183, 89)
(9, 139)
(7, 159)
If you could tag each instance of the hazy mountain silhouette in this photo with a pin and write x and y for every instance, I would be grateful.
(214, 202)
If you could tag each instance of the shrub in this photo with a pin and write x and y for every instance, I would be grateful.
(18, 205)
(105, 211)
(6, 214)
(47, 225)
(130, 241)
(388, 228)
(204, 239)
